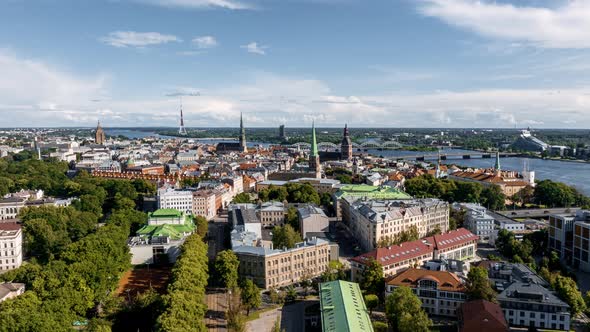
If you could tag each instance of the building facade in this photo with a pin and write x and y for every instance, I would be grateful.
(377, 223)
(204, 204)
(271, 268)
(180, 200)
(11, 246)
(312, 220)
(10, 207)
(479, 222)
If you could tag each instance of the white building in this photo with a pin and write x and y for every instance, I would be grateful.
(10, 207)
(11, 245)
(479, 222)
(180, 200)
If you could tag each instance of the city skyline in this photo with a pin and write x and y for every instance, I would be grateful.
(394, 64)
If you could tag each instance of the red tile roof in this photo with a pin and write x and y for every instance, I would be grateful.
(414, 249)
(453, 238)
(393, 254)
(446, 281)
(481, 315)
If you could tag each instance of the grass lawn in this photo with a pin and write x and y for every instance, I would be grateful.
(256, 314)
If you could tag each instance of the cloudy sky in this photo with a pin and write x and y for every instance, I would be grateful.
(370, 63)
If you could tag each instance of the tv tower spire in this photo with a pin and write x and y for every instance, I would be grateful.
(181, 130)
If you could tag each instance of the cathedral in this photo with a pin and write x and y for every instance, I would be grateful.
(239, 146)
(99, 137)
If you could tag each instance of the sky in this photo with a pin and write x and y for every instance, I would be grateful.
(368, 63)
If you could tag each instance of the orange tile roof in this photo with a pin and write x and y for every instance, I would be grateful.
(446, 281)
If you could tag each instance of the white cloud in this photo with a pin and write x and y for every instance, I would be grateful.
(205, 42)
(200, 4)
(254, 48)
(564, 26)
(137, 39)
(34, 93)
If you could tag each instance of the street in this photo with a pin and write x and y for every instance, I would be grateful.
(215, 316)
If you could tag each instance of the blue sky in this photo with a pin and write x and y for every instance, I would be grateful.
(377, 63)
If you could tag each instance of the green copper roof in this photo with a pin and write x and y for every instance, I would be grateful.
(371, 192)
(166, 213)
(497, 167)
(343, 308)
(174, 232)
(314, 142)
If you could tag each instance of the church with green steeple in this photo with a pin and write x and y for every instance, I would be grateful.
(314, 156)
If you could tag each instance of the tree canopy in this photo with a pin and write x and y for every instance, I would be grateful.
(404, 312)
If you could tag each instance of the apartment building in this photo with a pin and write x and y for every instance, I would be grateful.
(350, 193)
(530, 304)
(271, 268)
(204, 204)
(459, 244)
(441, 292)
(479, 221)
(11, 246)
(272, 213)
(180, 200)
(375, 222)
(526, 298)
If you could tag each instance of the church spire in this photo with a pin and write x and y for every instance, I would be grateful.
(181, 129)
(243, 146)
(314, 143)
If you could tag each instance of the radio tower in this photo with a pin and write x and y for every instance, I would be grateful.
(181, 130)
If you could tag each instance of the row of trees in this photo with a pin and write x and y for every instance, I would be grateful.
(456, 191)
(185, 301)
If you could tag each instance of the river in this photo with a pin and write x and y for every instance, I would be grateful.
(575, 174)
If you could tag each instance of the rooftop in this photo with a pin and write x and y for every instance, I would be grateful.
(165, 213)
(446, 281)
(343, 308)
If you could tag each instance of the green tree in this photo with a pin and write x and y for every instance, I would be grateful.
(202, 225)
(242, 198)
(372, 281)
(184, 304)
(344, 178)
(285, 237)
(250, 294)
(291, 218)
(371, 301)
(404, 312)
(567, 289)
(379, 326)
(334, 271)
(478, 285)
(493, 197)
(554, 194)
(226, 266)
